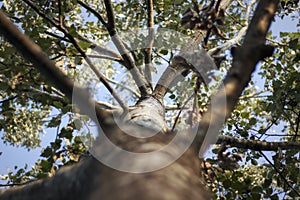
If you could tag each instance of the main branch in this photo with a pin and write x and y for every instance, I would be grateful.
(245, 59)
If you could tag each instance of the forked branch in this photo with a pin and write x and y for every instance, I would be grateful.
(129, 63)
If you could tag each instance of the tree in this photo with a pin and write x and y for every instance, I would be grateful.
(66, 58)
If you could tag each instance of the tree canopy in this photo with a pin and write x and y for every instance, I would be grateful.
(119, 51)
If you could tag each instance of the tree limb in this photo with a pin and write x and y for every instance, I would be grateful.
(150, 41)
(245, 59)
(50, 71)
(141, 82)
(257, 145)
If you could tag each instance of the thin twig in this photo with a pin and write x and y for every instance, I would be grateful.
(110, 16)
(104, 53)
(162, 57)
(280, 174)
(124, 86)
(106, 105)
(97, 14)
(105, 57)
(9, 99)
(181, 109)
(57, 36)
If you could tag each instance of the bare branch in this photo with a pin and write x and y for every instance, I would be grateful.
(106, 105)
(104, 57)
(106, 52)
(238, 37)
(257, 145)
(111, 24)
(228, 43)
(16, 184)
(181, 109)
(60, 13)
(125, 87)
(57, 36)
(32, 92)
(38, 11)
(9, 99)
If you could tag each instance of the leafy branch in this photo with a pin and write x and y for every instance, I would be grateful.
(82, 53)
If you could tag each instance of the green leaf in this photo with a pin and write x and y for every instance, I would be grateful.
(172, 96)
(164, 51)
(56, 144)
(252, 121)
(257, 189)
(66, 133)
(57, 104)
(294, 44)
(54, 122)
(47, 152)
(46, 166)
(254, 162)
(78, 124)
(84, 45)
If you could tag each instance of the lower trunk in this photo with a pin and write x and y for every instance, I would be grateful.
(91, 180)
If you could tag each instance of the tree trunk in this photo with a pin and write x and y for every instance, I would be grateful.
(91, 180)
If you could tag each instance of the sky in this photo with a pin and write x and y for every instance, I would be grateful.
(16, 156)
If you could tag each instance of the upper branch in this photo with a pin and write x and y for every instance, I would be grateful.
(111, 24)
(141, 82)
(148, 51)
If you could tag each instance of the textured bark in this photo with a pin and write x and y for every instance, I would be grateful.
(91, 180)
(149, 112)
(257, 145)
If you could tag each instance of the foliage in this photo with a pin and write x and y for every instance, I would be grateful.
(30, 105)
